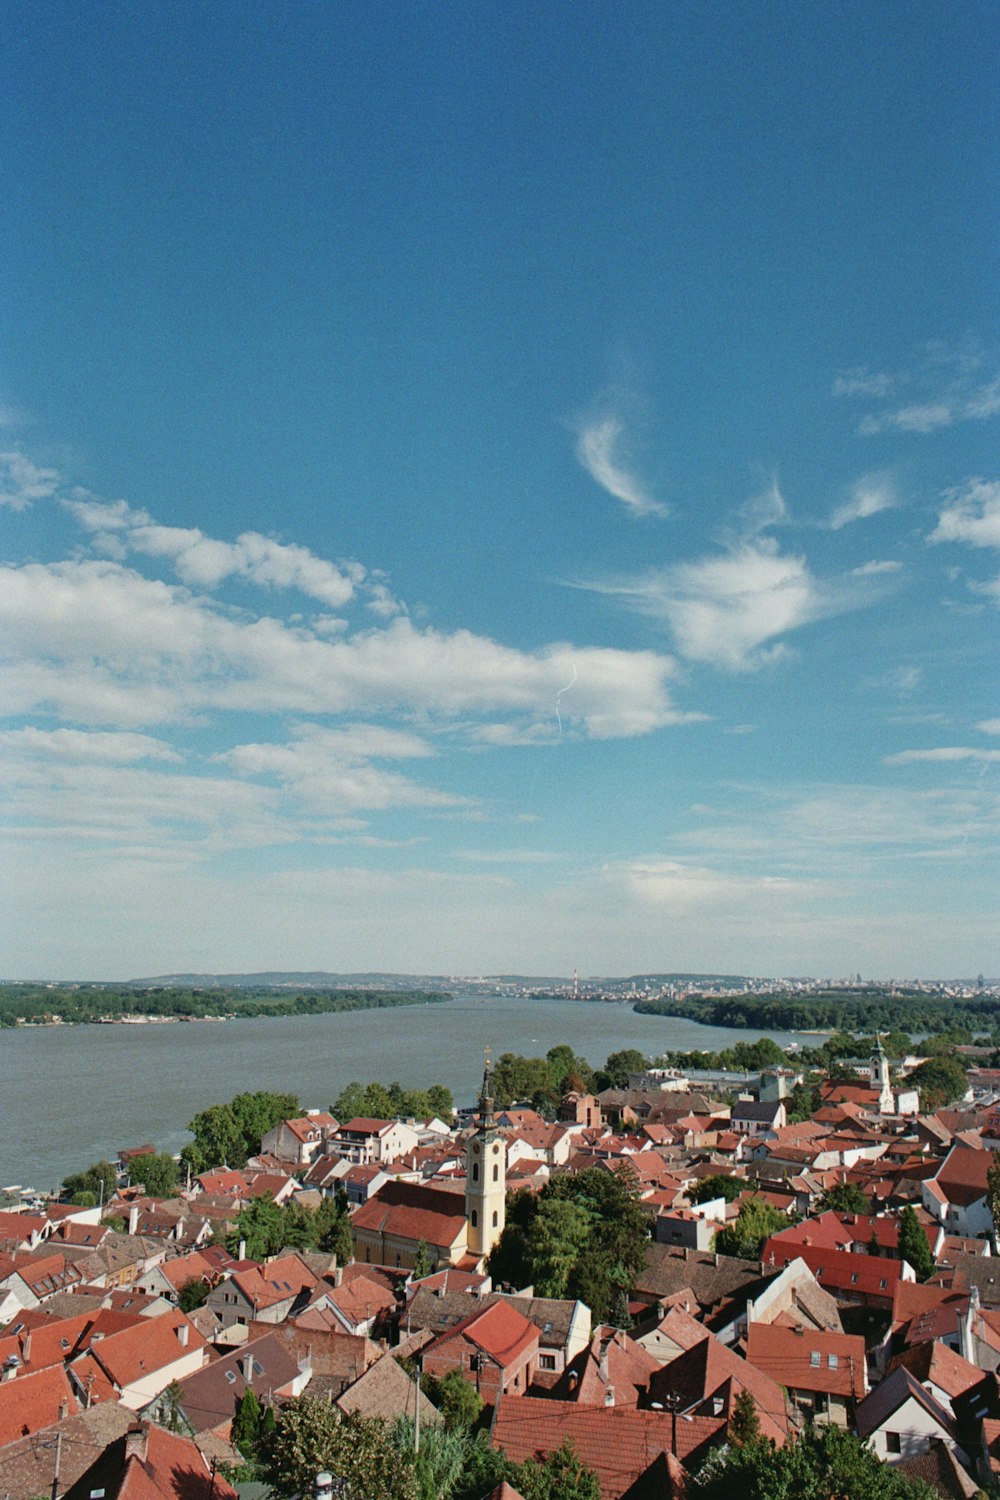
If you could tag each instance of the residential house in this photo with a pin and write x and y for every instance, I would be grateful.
(154, 1464)
(134, 1365)
(825, 1374)
(900, 1420)
(206, 1401)
(300, 1140)
(368, 1140)
(495, 1348)
(956, 1194)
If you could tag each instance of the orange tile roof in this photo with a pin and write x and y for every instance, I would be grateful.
(618, 1443)
(31, 1402)
(150, 1345)
(500, 1330)
(800, 1358)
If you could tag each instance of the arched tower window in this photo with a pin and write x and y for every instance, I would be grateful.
(496, 1172)
(475, 1171)
(475, 1218)
(496, 1219)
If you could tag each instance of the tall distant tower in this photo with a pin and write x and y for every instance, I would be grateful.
(878, 1073)
(486, 1176)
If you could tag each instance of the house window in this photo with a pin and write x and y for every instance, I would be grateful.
(854, 1278)
(546, 1361)
(814, 1359)
(893, 1443)
(833, 1361)
(882, 1285)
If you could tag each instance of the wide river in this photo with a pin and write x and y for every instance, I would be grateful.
(75, 1094)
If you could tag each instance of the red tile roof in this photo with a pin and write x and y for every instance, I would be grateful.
(31, 1402)
(502, 1331)
(618, 1443)
(804, 1359)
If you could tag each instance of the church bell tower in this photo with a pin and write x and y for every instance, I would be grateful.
(878, 1073)
(486, 1177)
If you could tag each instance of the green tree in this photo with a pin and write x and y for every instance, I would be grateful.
(99, 1179)
(717, 1186)
(756, 1222)
(593, 1252)
(171, 1407)
(744, 1424)
(558, 1241)
(261, 1224)
(349, 1103)
(913, 1246)
(158, 1174)
(422, 1264)
(941, 1080)
(441, 1101)
(192, 1294)
(459, 1403)
(245, 1430)
(614, 1074)
(845, 1198)
(227, 1134)
(560, 1476)
(825, 1462)
(311, 1436)
(993, 1194)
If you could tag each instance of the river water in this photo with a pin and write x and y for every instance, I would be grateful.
(75, 1094)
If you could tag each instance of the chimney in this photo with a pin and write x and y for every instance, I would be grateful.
(182, 1332)
(136, 1440)
(133, 1218)
(26, 1348)
(609, 1395)
(63, 1409)
(338, 1275)
(9, 1369)
(248, 1368)
(242, 1255)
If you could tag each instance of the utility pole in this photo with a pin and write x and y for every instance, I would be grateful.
(55, 1470)
(416, 1409)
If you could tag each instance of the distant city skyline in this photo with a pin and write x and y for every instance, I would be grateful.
(500, 490)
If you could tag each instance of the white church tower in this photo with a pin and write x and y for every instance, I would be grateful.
(486, 1177)
(878, 1073)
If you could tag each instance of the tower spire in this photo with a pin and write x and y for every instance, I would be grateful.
(486, 1097)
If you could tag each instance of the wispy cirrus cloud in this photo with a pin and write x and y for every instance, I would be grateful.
(941, 754)
(730, 610)
(947, 386)
(601, 450)
(869, 496)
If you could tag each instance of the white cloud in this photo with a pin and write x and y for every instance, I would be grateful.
(863, 382)
(942, 754)
(870, 495)
(675, 885)
(725, 609)
(22, 482)
(100, 644)
(204, 562)
(971, 514)
(82, 746)
(873, 569)
(947, 387)
(989, 726)
(599, 445)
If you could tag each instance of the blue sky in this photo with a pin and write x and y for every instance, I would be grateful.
(500, 488)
